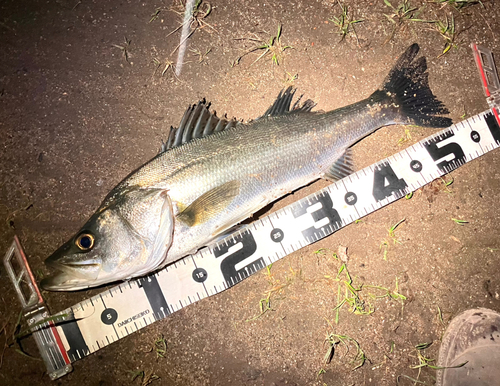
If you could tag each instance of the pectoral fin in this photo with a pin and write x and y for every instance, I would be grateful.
(210, 203)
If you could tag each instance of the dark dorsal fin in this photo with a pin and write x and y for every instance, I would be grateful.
(283, 102)
(198, 122)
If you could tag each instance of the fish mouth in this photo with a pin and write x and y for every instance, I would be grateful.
(63, 281)
(70, 275)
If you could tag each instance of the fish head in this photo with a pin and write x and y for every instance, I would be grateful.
(128, 236)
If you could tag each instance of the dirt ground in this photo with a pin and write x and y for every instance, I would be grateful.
(83, 102)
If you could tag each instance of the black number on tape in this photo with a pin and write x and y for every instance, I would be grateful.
(109, 316)
(228, 265)
(200, 275)
(277, 235)
(350, 198)
(416, 166)
(326, 211)
(439, 152)
(492, 123)
(386, 182)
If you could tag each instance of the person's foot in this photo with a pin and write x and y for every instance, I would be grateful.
(473, 338)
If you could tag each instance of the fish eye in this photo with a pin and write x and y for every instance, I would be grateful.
(85, 241)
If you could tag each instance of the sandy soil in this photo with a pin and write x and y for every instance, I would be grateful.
(76, 116)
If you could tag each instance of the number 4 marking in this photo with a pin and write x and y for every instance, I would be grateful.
(386, 182)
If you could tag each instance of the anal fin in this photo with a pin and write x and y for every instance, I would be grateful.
(341, 168)
(210, 203)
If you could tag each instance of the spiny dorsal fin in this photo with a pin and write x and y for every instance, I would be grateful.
(198, 122)
(341, 168)
(283, 102)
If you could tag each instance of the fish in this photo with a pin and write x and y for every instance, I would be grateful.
(213, 173)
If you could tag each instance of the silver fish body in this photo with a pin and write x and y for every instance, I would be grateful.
(268, 157)
(198, 188)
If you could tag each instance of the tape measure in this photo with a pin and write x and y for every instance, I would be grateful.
(122, 310)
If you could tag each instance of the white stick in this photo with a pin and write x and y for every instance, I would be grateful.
(186, 27)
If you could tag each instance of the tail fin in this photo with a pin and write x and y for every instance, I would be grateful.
(408, 85)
